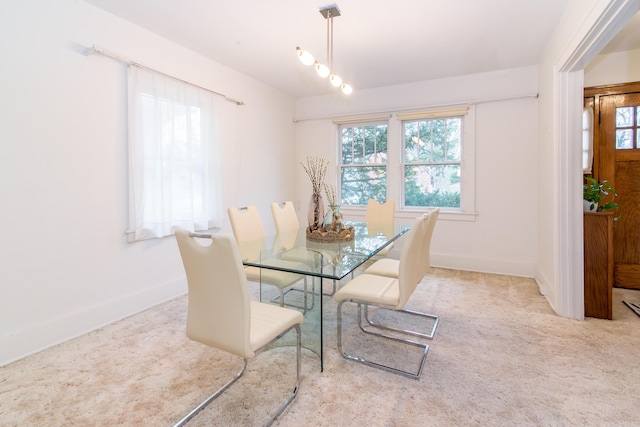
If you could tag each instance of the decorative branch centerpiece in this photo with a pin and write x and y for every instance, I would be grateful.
(316, 169)
(321, 228)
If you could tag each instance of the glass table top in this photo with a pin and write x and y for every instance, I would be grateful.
(316, 262)
(331, 260)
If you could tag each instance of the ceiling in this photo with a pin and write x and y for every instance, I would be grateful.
(376, 42)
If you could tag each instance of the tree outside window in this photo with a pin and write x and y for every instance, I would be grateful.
(363, 168)
(432, 162)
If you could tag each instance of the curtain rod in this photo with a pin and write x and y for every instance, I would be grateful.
(101, 51)
(408, 110)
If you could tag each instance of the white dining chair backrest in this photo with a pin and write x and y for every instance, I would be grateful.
(409, 270)
(425, 247)
(246, 223)
(284, 216)
(219, 310)
(380, 213)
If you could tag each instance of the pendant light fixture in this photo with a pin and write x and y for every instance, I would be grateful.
(324, 71)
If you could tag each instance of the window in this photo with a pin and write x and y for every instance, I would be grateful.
(627, 127)
(431, 166)
(363, 162)
(173, 176)
(424, 159)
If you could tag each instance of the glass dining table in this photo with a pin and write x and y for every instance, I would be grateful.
(320, 263)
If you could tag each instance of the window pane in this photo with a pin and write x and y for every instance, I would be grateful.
(453, 139)
(411, 138)
(358, 145)
(432, 185)
(637, 138)
(438, 135)
(347, 148)
(363, 166)
(624, 139)
(362, 183)
(624, 116)
(381, 140)
(424, 141)
(638, 115)
(369, 142)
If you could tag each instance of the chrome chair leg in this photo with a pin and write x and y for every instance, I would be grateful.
(294, 393)
(211, 398)
(413, 375)
(282, 407)
(304, 307)
(429, 335)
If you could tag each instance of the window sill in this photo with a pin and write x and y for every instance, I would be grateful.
(356, 213)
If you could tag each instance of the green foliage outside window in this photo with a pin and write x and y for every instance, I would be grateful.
(363, 173)
(432, 162)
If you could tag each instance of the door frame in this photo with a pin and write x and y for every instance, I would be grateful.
(568, 100)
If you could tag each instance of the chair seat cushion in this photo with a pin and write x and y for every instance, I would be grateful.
(372, 289)
(384, 267)
(268, 321)
(281, 279)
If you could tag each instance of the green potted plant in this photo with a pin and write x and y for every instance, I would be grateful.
(598, 196)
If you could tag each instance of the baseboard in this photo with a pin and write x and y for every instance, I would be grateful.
(483, 265)
(545, 288)
(39, 337)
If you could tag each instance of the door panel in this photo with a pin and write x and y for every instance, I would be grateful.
(619, 163)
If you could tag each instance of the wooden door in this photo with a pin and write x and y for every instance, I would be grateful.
(619, 163)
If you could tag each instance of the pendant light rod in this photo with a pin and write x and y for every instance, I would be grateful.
(328, 12)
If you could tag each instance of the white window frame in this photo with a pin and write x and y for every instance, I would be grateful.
(395, 155)
(375, 121)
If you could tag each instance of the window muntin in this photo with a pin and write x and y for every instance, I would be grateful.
(432, 155)
(587, 139)
(627, 128)
(363, 165)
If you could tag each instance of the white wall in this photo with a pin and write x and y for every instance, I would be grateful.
(502, 239)
(612, 68)
(64, 262)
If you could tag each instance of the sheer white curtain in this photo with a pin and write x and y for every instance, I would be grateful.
(173, 170)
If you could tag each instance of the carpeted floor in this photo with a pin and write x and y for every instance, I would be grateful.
(500, 357)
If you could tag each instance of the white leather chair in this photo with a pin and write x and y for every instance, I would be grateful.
(220, 313)
(249, 232)
(287, 226)
(387, 293)
(390, 267)
(284, 217)
(380, 218)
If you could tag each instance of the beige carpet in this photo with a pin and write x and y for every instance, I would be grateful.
(500, 357)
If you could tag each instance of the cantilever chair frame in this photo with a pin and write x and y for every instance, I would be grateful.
(360, 304)
(222, 389)
(256, 352)
(411, 253)
(425, 243)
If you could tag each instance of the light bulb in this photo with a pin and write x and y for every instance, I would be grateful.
(323, 70)
(305, 57)
(346, 89)
(335, 80)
